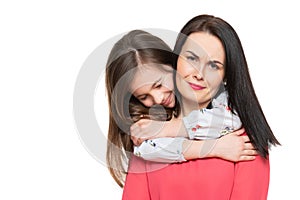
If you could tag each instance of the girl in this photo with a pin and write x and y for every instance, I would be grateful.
(140, 54)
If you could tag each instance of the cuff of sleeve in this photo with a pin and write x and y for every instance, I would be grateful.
(166, 150)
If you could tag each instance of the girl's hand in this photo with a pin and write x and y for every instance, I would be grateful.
(146, 129)
(234, 147)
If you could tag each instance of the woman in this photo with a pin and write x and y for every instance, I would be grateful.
(214, 178)
(217, 38)
(124, 63)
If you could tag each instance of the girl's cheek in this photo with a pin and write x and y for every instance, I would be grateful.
(170, 82)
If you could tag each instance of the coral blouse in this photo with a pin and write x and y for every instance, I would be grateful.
(201, 179)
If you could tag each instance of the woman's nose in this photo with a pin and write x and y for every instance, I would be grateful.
(197, 76)
(198, 73)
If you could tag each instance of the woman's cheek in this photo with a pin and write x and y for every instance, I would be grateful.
(181, 63)
(213, 79)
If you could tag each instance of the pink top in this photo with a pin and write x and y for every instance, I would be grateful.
(207, 179)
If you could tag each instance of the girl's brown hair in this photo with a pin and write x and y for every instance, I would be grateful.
(132, 50)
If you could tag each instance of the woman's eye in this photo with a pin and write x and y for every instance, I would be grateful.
(213, 65)
(191, 58)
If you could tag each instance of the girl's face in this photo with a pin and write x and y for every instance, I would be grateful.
(200, 68)
(153, 84)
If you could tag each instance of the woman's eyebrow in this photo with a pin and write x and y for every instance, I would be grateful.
(216, 61)
(195, 55)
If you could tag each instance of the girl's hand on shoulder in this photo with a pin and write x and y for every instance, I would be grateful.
(234, 147)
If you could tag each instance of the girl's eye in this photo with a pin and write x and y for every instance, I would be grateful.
(143, 98)
(158, 85)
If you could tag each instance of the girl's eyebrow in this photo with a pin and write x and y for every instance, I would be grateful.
(157, 81)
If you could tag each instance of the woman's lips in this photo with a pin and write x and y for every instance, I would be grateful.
(196, 87)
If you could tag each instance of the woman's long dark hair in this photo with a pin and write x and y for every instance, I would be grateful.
(132, 50)
(242, 97)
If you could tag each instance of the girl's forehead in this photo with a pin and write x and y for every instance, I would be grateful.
(148, 74)
(154, 67)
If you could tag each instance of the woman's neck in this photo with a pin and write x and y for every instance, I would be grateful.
(188, 106)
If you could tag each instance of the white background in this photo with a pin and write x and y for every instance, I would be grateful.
(43, 46)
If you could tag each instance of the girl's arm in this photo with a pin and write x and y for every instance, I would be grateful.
(214, 122)
(211, 123)
(232, 147)
(199, 124)
(165, 150)
(149, 129)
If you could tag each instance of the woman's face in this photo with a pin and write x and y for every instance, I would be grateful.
(200, 68)
(153, 84)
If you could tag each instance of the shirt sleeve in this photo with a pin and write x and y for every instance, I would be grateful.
(165, 150)
(212, 123)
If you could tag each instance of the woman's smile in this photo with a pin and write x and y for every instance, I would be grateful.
(196, 87)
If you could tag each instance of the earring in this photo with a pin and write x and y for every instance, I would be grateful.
(224, 83)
